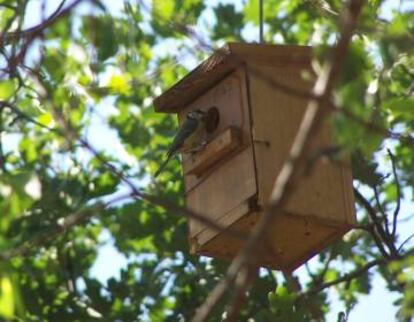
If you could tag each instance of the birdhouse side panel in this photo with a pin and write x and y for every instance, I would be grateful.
(323, 192)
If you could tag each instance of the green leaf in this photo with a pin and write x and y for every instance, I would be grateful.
(231, 22)
(7, 89)
(45, 119)
(7, 304)
(6, 15)
(401, 108)
(365, 169)
(101, 33)
(164, 9)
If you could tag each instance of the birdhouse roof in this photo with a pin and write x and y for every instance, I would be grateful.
(222, 62)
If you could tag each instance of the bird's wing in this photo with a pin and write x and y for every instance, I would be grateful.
(185, 131)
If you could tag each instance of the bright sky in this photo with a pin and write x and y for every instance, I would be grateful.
(377, 306)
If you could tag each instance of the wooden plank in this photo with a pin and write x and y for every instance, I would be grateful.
(275, 55)
(291, 240)
(225, 143)
(226, 221)
(296, 239)
(228, 186)
(348, 193)
(225, 246)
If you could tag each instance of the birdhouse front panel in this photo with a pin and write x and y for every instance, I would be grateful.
(227, 182)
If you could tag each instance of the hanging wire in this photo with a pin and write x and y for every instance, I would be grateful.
(261, 21)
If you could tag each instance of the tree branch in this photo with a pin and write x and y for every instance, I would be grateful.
(377, 224)
(36, 31)
(405, 242)
(371, 230)
(68, 222)
(347, 277)
(244, 281)
(398, 187)
(135, 192)
(381, 209)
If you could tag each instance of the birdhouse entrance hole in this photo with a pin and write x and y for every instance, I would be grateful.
(213, 119)
(230, 180)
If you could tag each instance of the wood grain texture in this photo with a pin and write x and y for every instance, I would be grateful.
(291, 241)
(227, 220)
(231, 184)
(324, 193)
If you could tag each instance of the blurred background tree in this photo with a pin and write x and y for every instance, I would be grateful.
(78, 130)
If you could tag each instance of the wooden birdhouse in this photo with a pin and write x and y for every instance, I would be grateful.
(253, 122)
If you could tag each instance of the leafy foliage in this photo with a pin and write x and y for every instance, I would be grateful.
(89, 74)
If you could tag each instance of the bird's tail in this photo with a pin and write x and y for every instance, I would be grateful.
(162, 166)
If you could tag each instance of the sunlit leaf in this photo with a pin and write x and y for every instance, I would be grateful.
(7, 89)
(7, 305)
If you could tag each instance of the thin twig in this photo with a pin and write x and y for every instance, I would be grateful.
(244, 282)
(35, 31)
(406, 219)
(397, 185)
(347, 277)
(381, 209)
(405, 242)
(377, 223)
(377, 240)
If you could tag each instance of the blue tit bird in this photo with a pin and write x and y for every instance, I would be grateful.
(188, 138)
